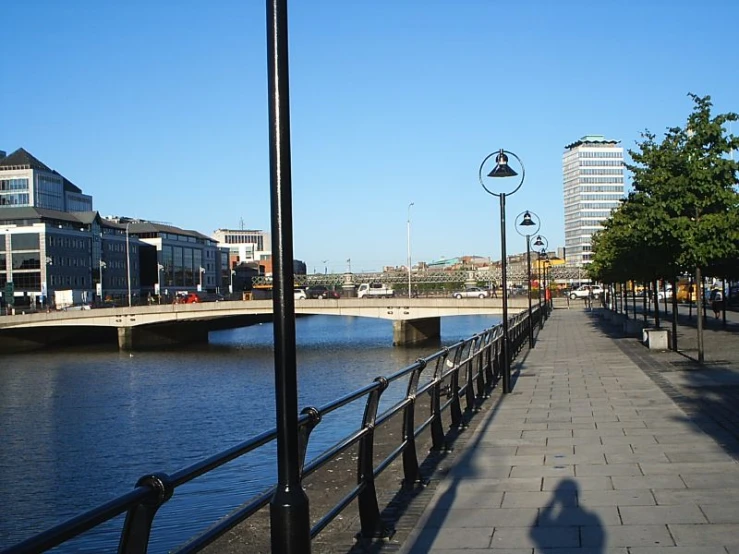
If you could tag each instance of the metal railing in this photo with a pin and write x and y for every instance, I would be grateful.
(464, 374)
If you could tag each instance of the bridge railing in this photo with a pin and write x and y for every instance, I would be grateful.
(453, 381)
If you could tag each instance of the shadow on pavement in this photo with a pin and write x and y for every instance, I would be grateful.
(708, 393)
(563, 515)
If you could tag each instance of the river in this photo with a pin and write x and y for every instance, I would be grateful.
(80, 427)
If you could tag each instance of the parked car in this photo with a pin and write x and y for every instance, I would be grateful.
(300, 294)
(471, 292)
(321, 291)
(584, 291)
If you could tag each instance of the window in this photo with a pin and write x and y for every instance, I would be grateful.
(24, 241)
(26, 261)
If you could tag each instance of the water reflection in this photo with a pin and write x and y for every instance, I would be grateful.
(79, 427)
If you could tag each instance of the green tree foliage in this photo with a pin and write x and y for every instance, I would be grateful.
(684, 210)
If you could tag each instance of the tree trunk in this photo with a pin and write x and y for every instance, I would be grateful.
(698, 305)
(664, 294)
(674, 315)
(656, 303)
(644, 301)
(625, 300)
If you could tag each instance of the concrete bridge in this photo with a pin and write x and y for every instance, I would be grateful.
(414, 320)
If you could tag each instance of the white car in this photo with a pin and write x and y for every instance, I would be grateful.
(300, 294)
(471, 292)
(584, 292)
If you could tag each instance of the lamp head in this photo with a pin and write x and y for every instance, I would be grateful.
(502, 169)
(538, 241)
(527, 221)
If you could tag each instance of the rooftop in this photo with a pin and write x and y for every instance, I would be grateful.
(591, 139)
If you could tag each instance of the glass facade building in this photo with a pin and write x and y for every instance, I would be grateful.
(593, 186)
(27, 182)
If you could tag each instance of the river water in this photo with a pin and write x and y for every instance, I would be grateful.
(80, 427)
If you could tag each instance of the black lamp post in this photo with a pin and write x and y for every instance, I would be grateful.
(541, 243)
(289, 515)
(502, 169)
(531, 222)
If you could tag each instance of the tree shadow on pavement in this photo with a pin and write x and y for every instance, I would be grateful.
(708, 393)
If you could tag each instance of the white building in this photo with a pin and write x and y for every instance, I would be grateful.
(593, 177)
(27, 182)
(244, 245)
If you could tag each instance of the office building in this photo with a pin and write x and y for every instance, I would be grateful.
(244, 245)
(27, 182)
(593, 179)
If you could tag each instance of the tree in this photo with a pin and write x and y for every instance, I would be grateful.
(684, 210)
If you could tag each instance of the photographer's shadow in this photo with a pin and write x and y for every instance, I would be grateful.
(563, 523)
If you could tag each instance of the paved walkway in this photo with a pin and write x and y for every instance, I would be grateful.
(592, 454)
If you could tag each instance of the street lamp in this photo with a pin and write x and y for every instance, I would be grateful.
(502, 169)
(160, 268)
(409, 248)
(541, 243)
(289, 506)
(531, 222)
(102, 266)
(128, 264)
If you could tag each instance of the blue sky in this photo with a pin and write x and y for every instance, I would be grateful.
(159, 108)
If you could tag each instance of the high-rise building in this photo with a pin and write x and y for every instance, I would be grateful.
(593, 176)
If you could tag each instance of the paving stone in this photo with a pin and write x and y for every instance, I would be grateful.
(610, 470)
(540, 537)
(597, 483)
(538, 499)
(695, 496)
(677, 550)
(647, 482)
(628, 535)
(617, 498)
(690, 468)
(722, 512)
(483, 517)
(648, 515)
(705, 535)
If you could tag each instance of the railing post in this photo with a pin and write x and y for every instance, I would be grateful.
(469, 369)
(371, 524)
(137, 527)
(455, 408)
(304, 432)
(437, 429)
(480, 363)
(489, 353)
(411, 472)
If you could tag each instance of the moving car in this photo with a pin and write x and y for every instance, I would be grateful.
(471, 292)
(300, 294)
(321, 291)
(375, 290)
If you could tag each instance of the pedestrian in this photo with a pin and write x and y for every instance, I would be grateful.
(717, 302)
(590, 299)
(494, 290)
